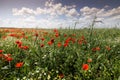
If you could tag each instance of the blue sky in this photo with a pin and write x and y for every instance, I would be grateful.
(58, 13)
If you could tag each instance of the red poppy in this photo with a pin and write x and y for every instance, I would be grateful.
(23, 33)
(36, 34)
(97, 48)
(80, 42)
(85, 67)
(9, 59)
(50, 43)
(19, 65)
(89, 60)
(61, 75)
(57, 34)
(73, 35)
(59, 44)
(65, 35)
(41, 45)
(66, 44)
(52, 40)
(4, 37)
(19, 43)
(55, 30)
(108, 48)
(42, 39)
(73, 40)
(1, 55)
(24, 47)
(1, 51)
(93, 49)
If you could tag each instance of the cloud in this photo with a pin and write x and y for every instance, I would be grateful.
(50, 16)
(88, 11)
(112, 12)
(51, 8)
(108, 16)
(72, 12)
(23, 11)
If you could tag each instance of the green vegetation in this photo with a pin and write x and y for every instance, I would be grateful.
(82, 54)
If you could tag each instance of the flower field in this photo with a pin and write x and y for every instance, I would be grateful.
(60, 54)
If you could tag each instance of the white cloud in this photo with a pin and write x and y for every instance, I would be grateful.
(51, 9)
(89, 11)
(50, 16)
(23, 11)
(73, 12)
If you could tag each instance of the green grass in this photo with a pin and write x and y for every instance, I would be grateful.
(51, 62)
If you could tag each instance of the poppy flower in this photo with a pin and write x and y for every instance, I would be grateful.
(85, 67)
(1, 55)
(24, 47)
(4, 37)
(108, 48)
(36, 34)
(66, 44)
(89, 60)
(42, 39)
(1, 51)
(61, 75)
(19, 43)
(97, 48)
(52, 40)
(50, 43)
(65, 35)
(41, 45)
(57, 34)
(23, 33)
(19, 65)
(55, 30)
(59, 44)
(9, 59)
(93, 49)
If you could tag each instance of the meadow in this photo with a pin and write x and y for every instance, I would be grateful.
(60, 54)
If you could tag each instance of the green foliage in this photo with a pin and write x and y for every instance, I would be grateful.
(53, 62)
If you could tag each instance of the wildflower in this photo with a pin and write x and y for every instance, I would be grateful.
(97, 48)
(61, 75)
(68, 40)
(23, 33)
(50, 43)
(93, 49)
(42, 39)
(36, 34)
(73, 40)
(108, 48)
(19, 43)
(4, 37)
(85, 67)
(52, 40)
(57, 34)
(80, 42)
(24, 47)
(59, 44)
(41, 45)
(1, 55)
(65, 35)
(73, 35)
(1, 51)
(19, 65)
(66, 44)
(9, 59)
(89, 60)
(55, 30)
